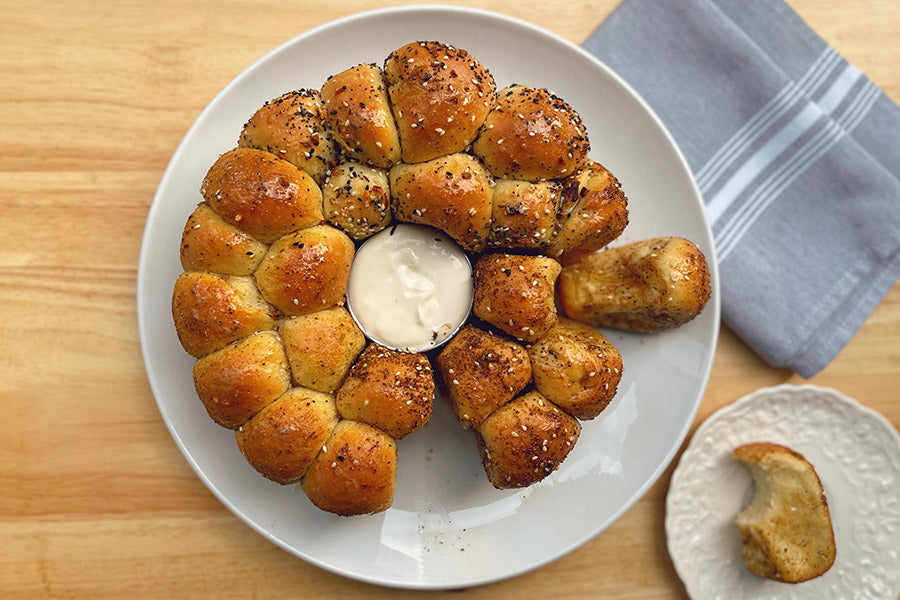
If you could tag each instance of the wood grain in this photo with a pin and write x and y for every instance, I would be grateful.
(97, 501)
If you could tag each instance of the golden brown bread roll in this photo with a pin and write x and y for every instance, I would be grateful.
(440, 97)
(644, 286)
(524, 213)
(482, 371)
(210, 313)
(355, 471)
(357, 199)
(359, 115)
(786, 529)
(525, 440)
(234, 383)
(283, 438)
(307, 270)
(594, 212)
(576, 368)
(531, 134)
(261, 194)
(321, 346)
(515, 293)
(452, 193)
(208, 243)
(390, 390)
(292, 127)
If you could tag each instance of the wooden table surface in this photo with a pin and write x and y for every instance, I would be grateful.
(97, 501)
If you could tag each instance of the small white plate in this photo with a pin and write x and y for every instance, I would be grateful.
(448, 527)
(856, 453)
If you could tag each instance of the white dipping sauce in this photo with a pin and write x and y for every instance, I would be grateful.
(410, 287)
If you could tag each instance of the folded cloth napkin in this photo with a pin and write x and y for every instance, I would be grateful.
(796, 154)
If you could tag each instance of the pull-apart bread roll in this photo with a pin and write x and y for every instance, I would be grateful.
(452, 193)
(234, 383)
(594, 212)
(576, 368)
(359, 115)
(786, 529)
(210, 311)
(482, 372)
(525, 440)
(357, 199)
(355, 471)
(307, 270)
(440, 97)
(321, 346)
(645, 286)
(282, 439)
(292, 127)
(261, 194)
(208, 243)
(515, 293)
(390, 390)
(531, 134)
(524, 213)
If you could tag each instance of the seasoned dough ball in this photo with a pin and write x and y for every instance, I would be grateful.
(525, 440)
(357, 199)
(210, 311)
(307, 270)
(282, 439)
(440, 96)
(531, 134)
(593, 213)
(359, 115)
(235, 382)
(515, 293)
(576, 368)
(321, 346)
(524, 213)
(261, 194)
(355, 471)
(208, 243)
(390, 390)
(452, 193)
(482, 371)
(292, 127)
(645, 286)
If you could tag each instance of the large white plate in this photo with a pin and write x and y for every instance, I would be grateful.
(448, 527)
(856, 453)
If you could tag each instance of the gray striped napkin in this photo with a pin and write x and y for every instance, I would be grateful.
(796, 153)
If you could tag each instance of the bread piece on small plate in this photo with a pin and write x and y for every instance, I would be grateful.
(786, 529)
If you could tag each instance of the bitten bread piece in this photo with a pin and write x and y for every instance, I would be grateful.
(524, 213)
(282, 439)
(292, 127)
(354, 473)
(531, 134)
(525, 440)
(440, 96)
(261, 194)
(357, 199)
(786, 529)
(210, 312)
(515, 293)
(208, 243)
(321, 346)
(452, 193)
(234, 383)
(482, 371)
(645, 286)
(594, 212)
(390, 390)
(576, 368)
(359, 115)
(307, 270)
